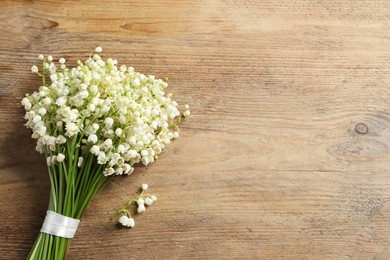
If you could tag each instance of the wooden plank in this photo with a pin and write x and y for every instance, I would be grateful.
(286, 155)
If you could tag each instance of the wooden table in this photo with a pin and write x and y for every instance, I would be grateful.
(286, 155)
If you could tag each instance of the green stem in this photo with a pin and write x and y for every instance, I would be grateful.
(72, 189)
(43, 73)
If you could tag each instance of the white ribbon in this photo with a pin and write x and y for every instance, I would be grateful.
(59, 225)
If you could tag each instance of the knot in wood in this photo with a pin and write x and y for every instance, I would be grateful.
(361, 129)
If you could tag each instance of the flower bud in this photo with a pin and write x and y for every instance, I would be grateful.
(34, 69)
(148, 201)
(140, 202)
(130, 222)
(141, 208)
(123, 220)
(60, 157)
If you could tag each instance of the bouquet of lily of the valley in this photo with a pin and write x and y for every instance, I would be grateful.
(92, 122)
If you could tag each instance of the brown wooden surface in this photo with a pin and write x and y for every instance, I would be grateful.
(270, 166)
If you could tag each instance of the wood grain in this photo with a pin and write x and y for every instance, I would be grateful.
(271, 165)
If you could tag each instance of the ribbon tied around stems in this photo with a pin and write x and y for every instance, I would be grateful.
(59, 225)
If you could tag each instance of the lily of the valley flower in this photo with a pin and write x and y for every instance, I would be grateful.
(141, 201)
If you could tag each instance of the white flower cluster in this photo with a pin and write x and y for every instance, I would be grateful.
(119, 115)
(142, 200)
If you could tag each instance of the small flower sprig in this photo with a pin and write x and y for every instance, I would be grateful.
(141, 200)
